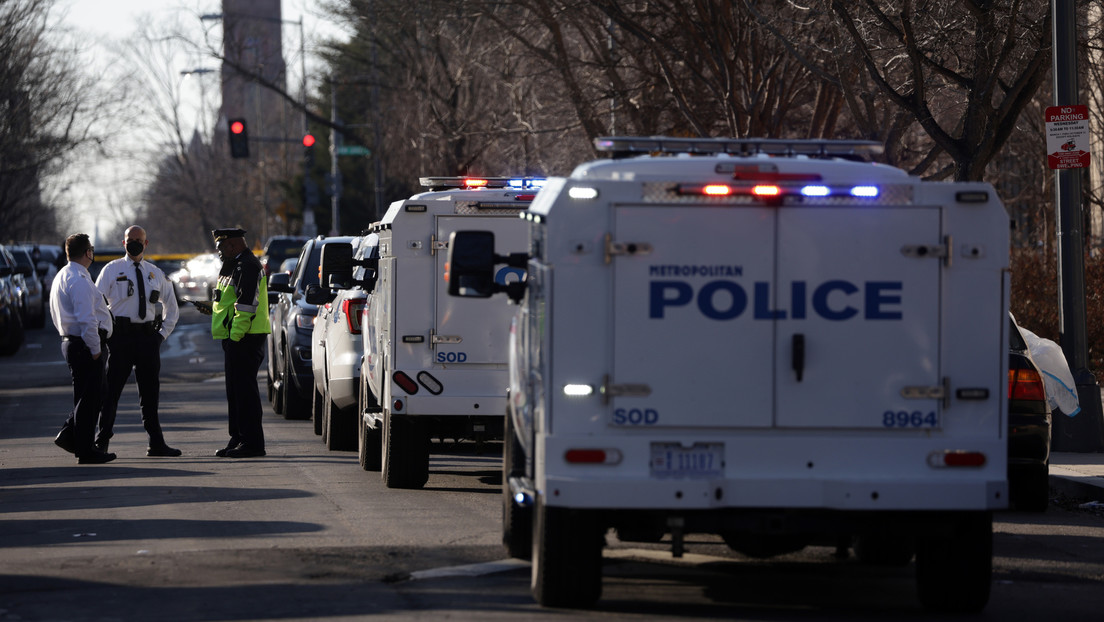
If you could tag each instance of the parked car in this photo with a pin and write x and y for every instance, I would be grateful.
(48, 259)
(290, 375)
(1029, 422)
(289, 265)
(34, 294)
(11, 319)
(336, 344)
(197, 279)
(279, 248)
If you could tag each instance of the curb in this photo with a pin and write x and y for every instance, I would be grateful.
(1076, 484)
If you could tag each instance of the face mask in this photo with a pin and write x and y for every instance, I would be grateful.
(135, 248)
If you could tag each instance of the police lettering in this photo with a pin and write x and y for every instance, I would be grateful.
(635, 416)
(835, 300)
(451, 357)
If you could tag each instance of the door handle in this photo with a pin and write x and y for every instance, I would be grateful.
(797, 351)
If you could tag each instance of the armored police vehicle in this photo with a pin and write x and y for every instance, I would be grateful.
(773, 341)
(434, 364)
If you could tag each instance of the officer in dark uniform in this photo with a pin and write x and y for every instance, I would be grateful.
(132, 287)
(239, 318)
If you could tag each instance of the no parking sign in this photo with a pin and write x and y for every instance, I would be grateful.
(1067, 131)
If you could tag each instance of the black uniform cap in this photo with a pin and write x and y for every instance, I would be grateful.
(224, 234)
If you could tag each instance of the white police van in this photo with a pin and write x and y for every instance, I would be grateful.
(773, 341)
(434, 364)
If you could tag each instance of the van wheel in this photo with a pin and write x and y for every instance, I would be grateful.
(295, 404)
(368, 445)
(405, 452)
(954, 567)
(567, 557)
(517, 520)
(339, 434)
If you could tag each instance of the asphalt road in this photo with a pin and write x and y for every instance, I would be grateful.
(304, 534)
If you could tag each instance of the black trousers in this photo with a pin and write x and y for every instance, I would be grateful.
(138, 351)
(242, 360)
(88, 387)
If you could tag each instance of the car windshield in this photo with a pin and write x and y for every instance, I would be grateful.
(310, 277)
(279, 250)
(22, 257)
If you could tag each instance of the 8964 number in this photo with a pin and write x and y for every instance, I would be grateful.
(905, 419)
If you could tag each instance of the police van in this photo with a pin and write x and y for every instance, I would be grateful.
(434, 365)
(774, 341)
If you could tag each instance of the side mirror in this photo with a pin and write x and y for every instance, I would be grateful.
(336, 266)
(471, 260)
(315, 295)
(280, 282)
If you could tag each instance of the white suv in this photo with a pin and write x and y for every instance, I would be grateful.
(336, 344)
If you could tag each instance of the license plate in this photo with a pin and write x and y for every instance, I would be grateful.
(672, 460)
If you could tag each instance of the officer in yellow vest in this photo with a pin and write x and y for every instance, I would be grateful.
(240, 319)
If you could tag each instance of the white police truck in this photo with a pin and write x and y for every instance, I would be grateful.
(773, 341)
(436, 365)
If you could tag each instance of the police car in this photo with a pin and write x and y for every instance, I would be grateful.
(434, 366)
(775, 341)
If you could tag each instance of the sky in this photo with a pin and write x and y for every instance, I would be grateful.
(101, 22)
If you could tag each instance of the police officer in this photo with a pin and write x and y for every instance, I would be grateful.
(240, 319)
(80, 314)
(132, 287)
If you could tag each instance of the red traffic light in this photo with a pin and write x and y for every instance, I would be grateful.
(237, 127)
(308, 140)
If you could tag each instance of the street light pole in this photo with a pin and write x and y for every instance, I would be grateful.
(199, 71)
(1084, 432)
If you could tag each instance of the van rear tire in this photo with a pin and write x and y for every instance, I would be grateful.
(567, 557)
(369, 446)
(517, 520)
(954, 567)
(405, 452)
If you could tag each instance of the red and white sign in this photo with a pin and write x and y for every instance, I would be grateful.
(1067, 132)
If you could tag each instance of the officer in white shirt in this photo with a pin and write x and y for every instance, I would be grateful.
(82, 319)
(133, 286)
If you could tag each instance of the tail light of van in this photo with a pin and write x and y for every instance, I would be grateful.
(1025, 384)
(353, 308)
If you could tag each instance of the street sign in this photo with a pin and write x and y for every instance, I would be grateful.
(353, 150)
(1067, 132)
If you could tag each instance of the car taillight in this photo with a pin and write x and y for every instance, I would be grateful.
(353, 308)
(1025, 384)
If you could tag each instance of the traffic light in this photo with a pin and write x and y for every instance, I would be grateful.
(239, 139)
(308, 150)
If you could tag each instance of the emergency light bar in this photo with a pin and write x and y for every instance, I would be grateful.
(625, 146)
(776, 190)
(471, 183)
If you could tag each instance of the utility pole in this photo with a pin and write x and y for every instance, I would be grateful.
(1085, 431)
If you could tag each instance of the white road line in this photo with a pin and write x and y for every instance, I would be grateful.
(470, 570)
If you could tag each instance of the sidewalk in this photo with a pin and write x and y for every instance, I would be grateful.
(1078, 474)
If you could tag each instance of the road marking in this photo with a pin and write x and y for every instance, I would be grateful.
(470, 570)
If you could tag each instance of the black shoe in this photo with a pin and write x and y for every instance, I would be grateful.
(221, 453)
(64, 440)
(163, 450)
(95, 457)
(102, 445)
(241, 451)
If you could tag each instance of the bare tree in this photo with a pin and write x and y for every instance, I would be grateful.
(48, 109)
(963, 70)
